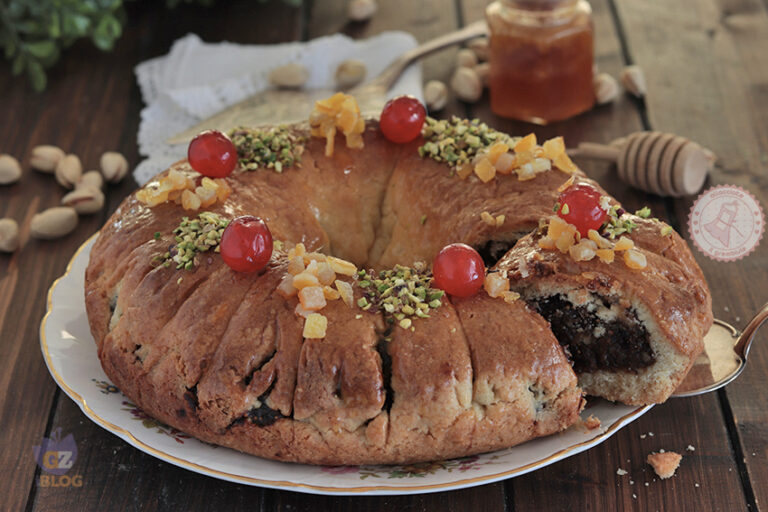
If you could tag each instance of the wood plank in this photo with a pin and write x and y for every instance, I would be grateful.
(117, 477)
(712, 86)
(589, 480)
(425, 20)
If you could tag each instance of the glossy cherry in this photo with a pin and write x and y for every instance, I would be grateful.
(212, 154)
(402, 119)
(246, 244)
(458, 270)
(583, 208)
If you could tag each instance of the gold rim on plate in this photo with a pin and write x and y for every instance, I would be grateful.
(281, 484)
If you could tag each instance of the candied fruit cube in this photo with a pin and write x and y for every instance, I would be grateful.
(547, 243)
(325, 273)
(224, 190)
(305, 279)
(300, 311)
(346, 292)
(485, 170)
(635, 259)
(525, 172)
(464, 170)
(207, 196)
(496, 150)
(565, 164)
(557, 226)
(343, 267)
(286, 288)
(297, 250)
(488, 218)
(605, 255)
(296, 265)
(510, 297)
(624, 244)
(190, 201)
(553, 147)
(527, 143)
(602, 243)
(565, 241)
(315, 326)
(505, 163)
(541, 165)
(312, 298)
(495, 284)
(582, 251)
(330, 293)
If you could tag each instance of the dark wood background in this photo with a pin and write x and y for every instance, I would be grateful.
(707, 66)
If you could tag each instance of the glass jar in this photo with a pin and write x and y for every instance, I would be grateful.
(541, 55)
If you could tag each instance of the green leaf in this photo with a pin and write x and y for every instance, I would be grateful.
(36, 75)
(10, 49)
(75, 25)
(54, 25)
(40, 49)
(106, 32)
(18, 64)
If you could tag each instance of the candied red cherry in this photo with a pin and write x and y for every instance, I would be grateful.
(402, 119)
(580, 206)
(212, 154)
(458, 270)
(246, 244)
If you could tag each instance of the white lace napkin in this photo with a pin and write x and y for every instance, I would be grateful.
(196, 80)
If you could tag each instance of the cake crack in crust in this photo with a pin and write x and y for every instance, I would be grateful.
(222, 355)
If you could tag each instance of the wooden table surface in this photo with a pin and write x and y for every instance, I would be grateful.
(706, 63)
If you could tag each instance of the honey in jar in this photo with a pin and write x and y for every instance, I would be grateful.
(541, 56)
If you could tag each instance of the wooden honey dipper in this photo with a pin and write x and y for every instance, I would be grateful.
(660, 163)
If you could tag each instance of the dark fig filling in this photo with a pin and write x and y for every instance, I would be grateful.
(594, 344)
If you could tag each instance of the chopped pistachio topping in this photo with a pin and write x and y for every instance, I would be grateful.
(402, 293)
(666, 230)
(643, 212)
(274, 148)
(423, 219)
(192, 237)
(618, 223)
(458, 141)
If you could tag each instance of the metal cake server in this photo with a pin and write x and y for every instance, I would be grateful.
(277, 106)
(724, 357)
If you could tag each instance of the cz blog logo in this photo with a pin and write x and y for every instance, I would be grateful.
(56, 456)
(726, 223)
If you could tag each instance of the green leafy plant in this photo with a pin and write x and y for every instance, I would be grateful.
(34, 32)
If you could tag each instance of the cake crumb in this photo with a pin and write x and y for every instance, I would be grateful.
(634, 496)
(643, 436)
(631, 482)
(690, 448)
(650, 434)
(664, 463)
(646, 484)
(592, 422)
(621, 472)
(696, 485)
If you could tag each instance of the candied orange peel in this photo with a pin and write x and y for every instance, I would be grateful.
(180, 188)
(562, 236)
(339, 112)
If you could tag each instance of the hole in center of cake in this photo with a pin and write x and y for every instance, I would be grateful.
(594, 342)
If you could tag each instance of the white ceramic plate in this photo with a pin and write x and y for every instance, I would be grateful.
(70, 353)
